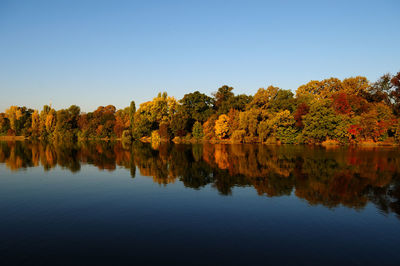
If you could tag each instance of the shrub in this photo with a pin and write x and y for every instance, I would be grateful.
(397, 134)
(287, 135)
(238, 136)
(126, 136)
(164, 131)
(197, 131)
(155, 137)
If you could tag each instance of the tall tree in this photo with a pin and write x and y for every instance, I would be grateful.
(197, 106)
(132, 111)
(222, 97)
(395, 93)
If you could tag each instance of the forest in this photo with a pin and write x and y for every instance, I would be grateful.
(331, 111)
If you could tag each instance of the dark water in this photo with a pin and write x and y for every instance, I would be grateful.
(104, 203)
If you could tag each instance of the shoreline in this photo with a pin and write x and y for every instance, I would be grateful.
(329, 143)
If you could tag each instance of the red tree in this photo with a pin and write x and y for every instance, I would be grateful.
(302, 109)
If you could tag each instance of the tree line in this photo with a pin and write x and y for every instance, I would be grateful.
(352, 110)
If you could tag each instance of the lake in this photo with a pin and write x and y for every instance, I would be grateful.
(109, 203)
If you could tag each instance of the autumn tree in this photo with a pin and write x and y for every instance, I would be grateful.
(4, 124)
(102, 122)
(14, 113)
(248, 121)
(35, 124)
(380, 90)
(233, 120)
(355, 85)
(66, 127)
(397, 132)
(341, 103)
(301, 111)
(395, 93)
(264, 97)
(122, 121)
(50, 121)
(151, 114)
(222, 126)
(209, 127)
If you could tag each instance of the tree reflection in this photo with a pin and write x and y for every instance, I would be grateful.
(332, 176)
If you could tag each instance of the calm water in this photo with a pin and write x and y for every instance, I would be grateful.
(107, 203)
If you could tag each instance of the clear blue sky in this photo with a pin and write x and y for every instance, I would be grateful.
(93, 53)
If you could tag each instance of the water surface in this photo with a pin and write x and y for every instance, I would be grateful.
(108, 203)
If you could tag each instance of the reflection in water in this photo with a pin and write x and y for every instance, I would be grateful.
(334, 176)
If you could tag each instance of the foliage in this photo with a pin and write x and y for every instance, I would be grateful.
(4, 124)
(345, 111)
(222, 126)
(155, 136)
(126, 136)
(263, 97)
(164, 131)
(238, 136)
(280, 126)
(197, 106)
(221, 99)
(397, 132)
(283, 100)
(248, 121)
(197, 131)
(320, 122)
(179, 123)
(132, 111)
(302, 110)
(208, 127)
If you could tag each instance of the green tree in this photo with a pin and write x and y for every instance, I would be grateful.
(380, 90)
(222, 98)
(132, 111)
(197, 131)
(179, 123)
(4, 124)
(248, 121)
(320, 122)
(238, 102)
(283, 100)
(197, 107)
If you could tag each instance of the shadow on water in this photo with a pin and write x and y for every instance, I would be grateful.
(333, 176)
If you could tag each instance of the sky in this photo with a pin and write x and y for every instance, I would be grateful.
(93, 53)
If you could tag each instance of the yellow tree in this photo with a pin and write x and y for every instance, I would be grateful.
(222, 126)
(312, 88)
(355, 85)
(50, 121)
(330, 86)
(35, 123)
(263, 97)
(320, 89)
(13, 113)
